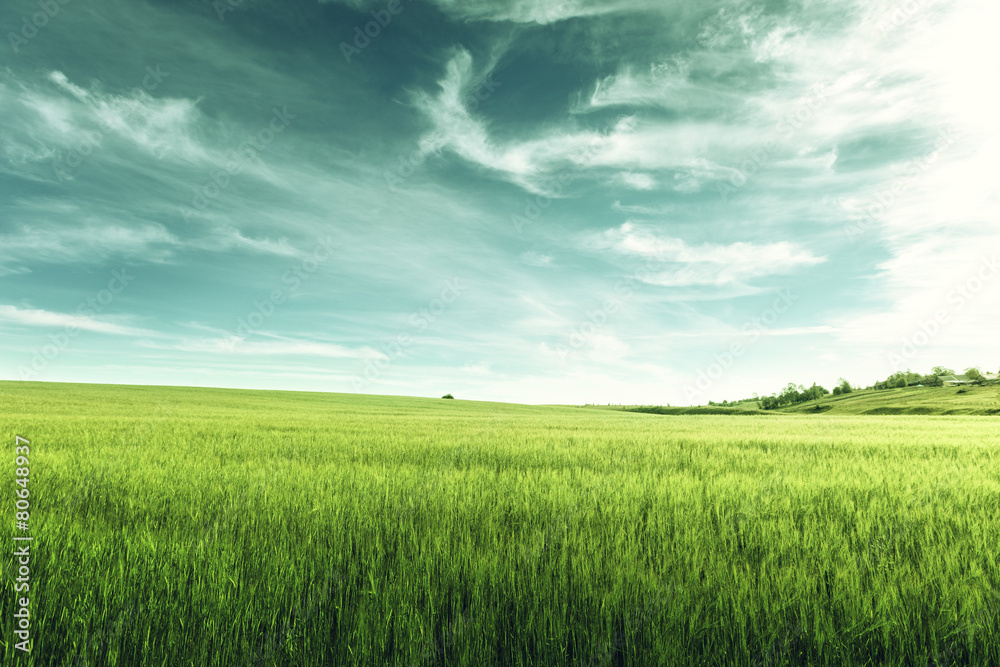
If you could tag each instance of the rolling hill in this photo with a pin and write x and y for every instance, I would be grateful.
(972, 400)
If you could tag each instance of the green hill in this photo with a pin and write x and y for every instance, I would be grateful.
(971, 400)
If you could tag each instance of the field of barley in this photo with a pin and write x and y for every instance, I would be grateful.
(186, 526)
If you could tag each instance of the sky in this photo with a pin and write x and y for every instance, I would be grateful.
(559, 201)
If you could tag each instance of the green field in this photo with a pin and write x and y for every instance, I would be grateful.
(183, 526)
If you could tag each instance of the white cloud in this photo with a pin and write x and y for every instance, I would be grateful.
(233, 239)
(666, 85)
(541, 11)
(634, 181)
(720, 330)
(50, 319)
(90, 241)
(13, 270)
(530, 163)
(666, 209)
(157, 126)
(799, 122)
(95, 241)
(940, 225)
(56, 125)
(707, 264)
(689, 152)
(285, 346)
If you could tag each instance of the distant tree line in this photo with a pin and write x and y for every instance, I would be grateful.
(934, 379)
(794, 394)
(790, 395)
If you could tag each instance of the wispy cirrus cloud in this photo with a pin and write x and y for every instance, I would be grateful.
(268, 348)
(88, 242)
(704, 264)
(541, 12)
(95, 241)
(638, 209)
(53, 117)
(633, 180)
(661, 85)
(34, 317)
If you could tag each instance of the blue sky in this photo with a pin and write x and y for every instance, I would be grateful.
(561, 201)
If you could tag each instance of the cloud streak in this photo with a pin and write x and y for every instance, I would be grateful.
(47, 319)
(706, 264)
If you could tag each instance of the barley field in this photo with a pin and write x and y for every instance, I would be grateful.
(186, 526)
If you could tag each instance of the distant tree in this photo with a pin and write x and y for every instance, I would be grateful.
(897, 379)
(941, 370)
(447, 396)
(791, 394)
(813, 393)
(844, 386)
(973, 374)
(932, 380)
(837, 390)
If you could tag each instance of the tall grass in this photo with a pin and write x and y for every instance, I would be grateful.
(182, 526)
